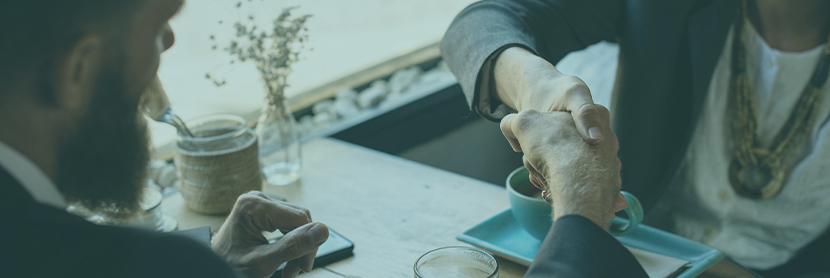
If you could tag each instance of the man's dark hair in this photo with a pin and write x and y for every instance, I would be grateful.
(35, 32)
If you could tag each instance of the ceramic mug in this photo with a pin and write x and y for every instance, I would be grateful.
(534, 214)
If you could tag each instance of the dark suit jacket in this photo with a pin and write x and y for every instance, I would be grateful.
(576, 247)
(668, 52)
(41, 241)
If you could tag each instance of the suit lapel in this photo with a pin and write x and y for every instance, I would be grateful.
(16, 203)
(12, 194)
(707, 29)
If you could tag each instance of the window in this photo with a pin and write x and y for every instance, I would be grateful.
(344, 37)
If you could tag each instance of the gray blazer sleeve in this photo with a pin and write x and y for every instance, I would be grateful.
(549, 28)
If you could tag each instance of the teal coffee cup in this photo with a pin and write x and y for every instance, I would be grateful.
(534, 214)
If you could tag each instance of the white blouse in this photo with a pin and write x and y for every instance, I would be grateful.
(701, 204)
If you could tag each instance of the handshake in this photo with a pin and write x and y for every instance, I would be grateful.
(575, 176)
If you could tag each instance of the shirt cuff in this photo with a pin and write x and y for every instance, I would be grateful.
(487, 104)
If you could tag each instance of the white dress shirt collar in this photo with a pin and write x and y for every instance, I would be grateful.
(42, 189)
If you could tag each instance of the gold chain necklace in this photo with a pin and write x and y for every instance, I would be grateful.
(757, 172)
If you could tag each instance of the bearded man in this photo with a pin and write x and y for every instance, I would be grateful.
(721, 109)
(71, 76)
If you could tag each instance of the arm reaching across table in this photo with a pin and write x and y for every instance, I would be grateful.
(504, 51)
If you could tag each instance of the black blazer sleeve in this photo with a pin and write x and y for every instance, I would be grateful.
(576, 247)
(174, 256)
(549, 28)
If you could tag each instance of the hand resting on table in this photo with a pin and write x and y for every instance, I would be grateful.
(240, 240)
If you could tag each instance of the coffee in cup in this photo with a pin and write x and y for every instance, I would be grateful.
(534, 214)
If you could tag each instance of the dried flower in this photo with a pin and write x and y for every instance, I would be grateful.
(273, 51)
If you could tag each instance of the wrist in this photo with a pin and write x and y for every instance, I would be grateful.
(508, 75)
(584, 199)
(568, 208)
(516, 72)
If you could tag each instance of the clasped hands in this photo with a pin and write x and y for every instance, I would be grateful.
(569, 148)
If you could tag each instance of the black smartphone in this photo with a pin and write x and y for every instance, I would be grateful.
(334, 249)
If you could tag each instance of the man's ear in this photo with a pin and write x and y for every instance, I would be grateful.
(75, 75)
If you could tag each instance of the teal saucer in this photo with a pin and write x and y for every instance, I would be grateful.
(503, 236)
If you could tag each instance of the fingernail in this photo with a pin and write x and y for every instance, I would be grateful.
(319, 233)
(595, 133)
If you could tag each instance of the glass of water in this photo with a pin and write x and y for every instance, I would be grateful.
(457, 261)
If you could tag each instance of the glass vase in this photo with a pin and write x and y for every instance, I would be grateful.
(279, 144)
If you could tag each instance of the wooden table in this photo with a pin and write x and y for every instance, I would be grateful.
(393, 209)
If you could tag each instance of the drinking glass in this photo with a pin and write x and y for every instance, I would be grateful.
(218, 164)
(457, 261)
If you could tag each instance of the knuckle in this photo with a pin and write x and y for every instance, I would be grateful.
(527, 165)
(572, 80)
(562, 125)
(246, 200)
(301, 215)
(298, 245)
(504, 121)
(587, 109)
(562, 119)
(306, 213)
(526, 118)
(260, 194)
(574, 87)
(602, 109)
(528, 113)
(504, 124)
(294, 246)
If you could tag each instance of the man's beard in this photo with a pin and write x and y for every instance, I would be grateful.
(104, 164)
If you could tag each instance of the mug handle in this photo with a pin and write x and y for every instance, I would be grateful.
(620, 227)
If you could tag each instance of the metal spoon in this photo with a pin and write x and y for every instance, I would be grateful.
(169, 117)
(156, 106)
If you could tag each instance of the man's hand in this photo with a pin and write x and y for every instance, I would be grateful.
(240, 240)
(526, 81)
(582, 179)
